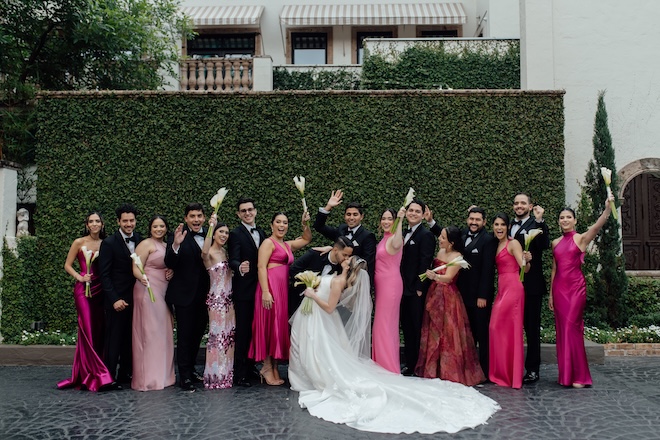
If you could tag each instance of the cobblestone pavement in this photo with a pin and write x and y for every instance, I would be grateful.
(623, 404)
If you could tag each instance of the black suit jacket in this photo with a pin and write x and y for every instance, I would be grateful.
(478, 281)
(417, 258)
(534, 280)
(364, 241)
(241, 248)
(191, 280)
(116, 267)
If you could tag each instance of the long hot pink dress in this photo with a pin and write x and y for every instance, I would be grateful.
(270, 328)
(88, 370)
(388, 286)
(153, 341)
(219, 370)
(447, 349)
(506, 364)
(569, 295)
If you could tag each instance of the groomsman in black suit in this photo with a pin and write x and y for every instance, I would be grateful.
(418, 250)
(364, 241)
(476, 284)
(316, 261)
(244, 242)
(187, 291)
(535, 285)
(117, 281)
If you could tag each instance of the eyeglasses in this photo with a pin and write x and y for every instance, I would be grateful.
(246, 210)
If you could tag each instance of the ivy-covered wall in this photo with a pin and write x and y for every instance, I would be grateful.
(163, 150)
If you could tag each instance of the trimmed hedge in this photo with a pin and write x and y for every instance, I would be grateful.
(163, 150)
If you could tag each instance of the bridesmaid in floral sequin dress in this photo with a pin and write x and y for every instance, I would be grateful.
(219, 370)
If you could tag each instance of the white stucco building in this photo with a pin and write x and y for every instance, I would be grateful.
(580, 46)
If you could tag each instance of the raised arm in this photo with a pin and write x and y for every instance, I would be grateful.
(322, 216)
(591, 233)
(516, 250)
(394, 244)
(303, 241)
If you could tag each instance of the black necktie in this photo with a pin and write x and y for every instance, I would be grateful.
(131, 238)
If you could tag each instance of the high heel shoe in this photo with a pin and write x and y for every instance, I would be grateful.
(269, 380)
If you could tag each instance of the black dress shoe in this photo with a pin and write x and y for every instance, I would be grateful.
(124, 378)
(111, 387)
(243, 382)
(197, 378)
(531, 377)
(253, 373)
(407, 371)
(187, 385)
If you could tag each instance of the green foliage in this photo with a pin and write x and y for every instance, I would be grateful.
(607, 281)
(433, 66)
(315, 79)
(161, 151)
(641, 302)
(17, 128)
(22, 302)
(631, 334)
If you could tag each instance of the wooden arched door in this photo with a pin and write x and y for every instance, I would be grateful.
(640, 222)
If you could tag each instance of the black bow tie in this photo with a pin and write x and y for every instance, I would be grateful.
(472, 234)
(516, 222)
(253, 230)
(200, 233)
(407, 231)
(131, 238)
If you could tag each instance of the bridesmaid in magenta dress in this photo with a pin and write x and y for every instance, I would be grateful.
(270, 328)
(569, 297)
(219, 369)
(506, 364)
(447, 349)
(388, 287)
(153, 340)
(88, 370)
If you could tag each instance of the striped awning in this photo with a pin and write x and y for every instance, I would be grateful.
(373, 15)
(248, 16)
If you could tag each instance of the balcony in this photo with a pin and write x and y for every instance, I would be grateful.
(217, 74)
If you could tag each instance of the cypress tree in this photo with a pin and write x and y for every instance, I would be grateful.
(608, 282)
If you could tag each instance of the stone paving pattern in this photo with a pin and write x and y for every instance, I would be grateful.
(623, 404)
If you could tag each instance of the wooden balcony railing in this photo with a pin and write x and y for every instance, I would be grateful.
(220, 74)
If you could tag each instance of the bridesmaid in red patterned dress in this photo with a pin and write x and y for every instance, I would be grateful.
(270, 328)
(447, 349)
(219, 370)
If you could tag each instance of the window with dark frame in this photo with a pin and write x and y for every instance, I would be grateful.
(374, 34)
(230, 45)
(309, 48)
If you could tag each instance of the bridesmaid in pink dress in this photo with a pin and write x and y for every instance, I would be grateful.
(506, 364)
(569, 296)
(270, 328)
(388, 287)
(153, 341)
(88, 370)
(447, 350)
(219, 369)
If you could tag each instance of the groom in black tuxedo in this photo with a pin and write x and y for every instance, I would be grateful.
(187, 291)
(535, 285)
(316, 261)
(117, 281)
(418, 250)
(364, 241)
(244, 242)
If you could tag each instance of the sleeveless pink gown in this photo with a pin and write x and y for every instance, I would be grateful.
(388, 287)
(507, 361)
(569, 295)
(270, 328)
(88, 370)
(153, 341)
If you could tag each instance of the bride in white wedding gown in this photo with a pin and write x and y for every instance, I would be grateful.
(329, 366)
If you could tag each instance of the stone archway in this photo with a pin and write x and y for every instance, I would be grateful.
(640, 214)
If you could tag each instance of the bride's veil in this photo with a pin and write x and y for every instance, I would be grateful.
(356, 300)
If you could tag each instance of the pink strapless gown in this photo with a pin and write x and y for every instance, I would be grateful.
(569, 295)
(88, 370)
(270, 328)
(153, 340)
(507, 361)
(388, 287)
